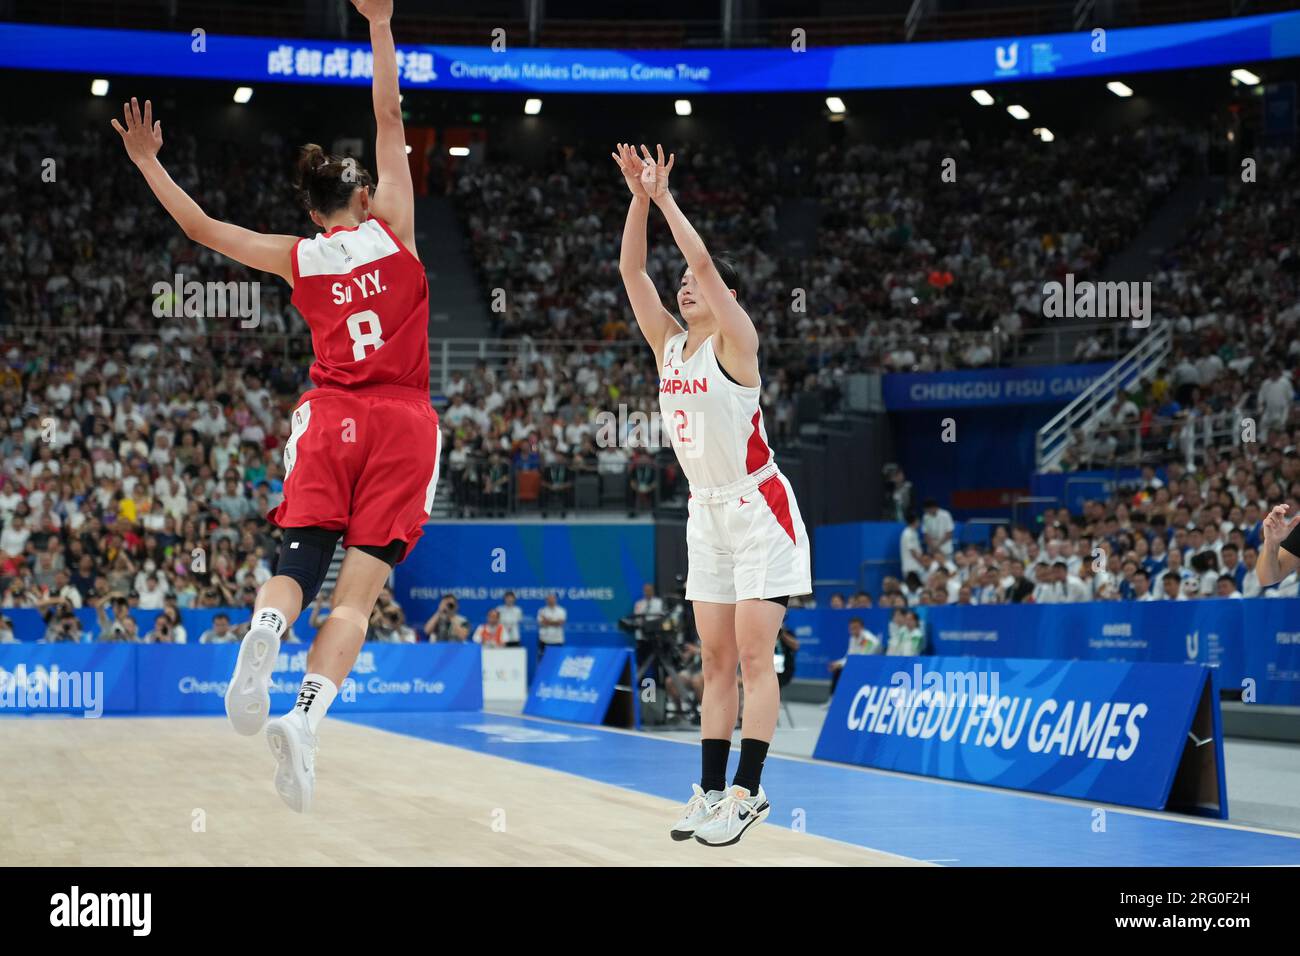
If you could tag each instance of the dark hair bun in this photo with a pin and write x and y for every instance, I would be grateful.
(326, 183)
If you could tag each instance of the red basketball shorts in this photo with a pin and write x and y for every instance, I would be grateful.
(363, 462)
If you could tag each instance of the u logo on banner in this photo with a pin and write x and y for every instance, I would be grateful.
(1193, 645)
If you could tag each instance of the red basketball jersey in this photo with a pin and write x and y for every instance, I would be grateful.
(366, 298)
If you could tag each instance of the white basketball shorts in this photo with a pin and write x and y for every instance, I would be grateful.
(747, 545)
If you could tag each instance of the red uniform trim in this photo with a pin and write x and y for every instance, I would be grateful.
(773, 492)
(757, 454)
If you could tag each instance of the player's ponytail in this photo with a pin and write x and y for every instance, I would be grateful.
(325, 183)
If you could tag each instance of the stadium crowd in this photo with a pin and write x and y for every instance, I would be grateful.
(142, 445)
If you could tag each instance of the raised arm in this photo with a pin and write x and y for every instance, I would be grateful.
(394, 200)
(656, 322)
(142, 137)
(736, 332)
(1276, 562)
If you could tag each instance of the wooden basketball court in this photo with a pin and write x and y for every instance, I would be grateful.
(189, 792)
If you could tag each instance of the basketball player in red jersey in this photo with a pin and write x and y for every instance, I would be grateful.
(747, 548)
(361, 462)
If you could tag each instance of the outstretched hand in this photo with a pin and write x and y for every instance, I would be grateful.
(142, 136)
(374, 10)
(630, 165)
(1277, 525)
(654, 173)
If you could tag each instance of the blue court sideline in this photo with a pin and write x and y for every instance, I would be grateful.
(909, 816)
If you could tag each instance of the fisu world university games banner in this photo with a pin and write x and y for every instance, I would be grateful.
(1143, 735)
(97, 679)
(960, 62)
(596, 571)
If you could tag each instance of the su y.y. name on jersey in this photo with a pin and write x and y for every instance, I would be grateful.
(366, 299)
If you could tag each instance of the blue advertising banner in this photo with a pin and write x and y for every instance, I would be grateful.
(973, 388)
(579, 685)
(1110, 732)
(596, 571)
(386, 677)
(88, 679)
(163, 679)
(1269, 652)
(518, 68)
(1253, 643)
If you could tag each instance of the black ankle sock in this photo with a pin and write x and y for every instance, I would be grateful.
(750, 772)
(713, 764)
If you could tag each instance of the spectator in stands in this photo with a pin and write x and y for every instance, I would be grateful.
(220, 632)
(1226, 587)
(117, 624)
(1172, 588)
(937, 527)
(7, 630)
(1250, 586)
(643, 479)
(906, 634)
(491, 633)
(911, 554)
(557, 489)
(861, 641)
(64, 627)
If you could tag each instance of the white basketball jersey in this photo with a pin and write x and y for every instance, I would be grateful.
(715, 425)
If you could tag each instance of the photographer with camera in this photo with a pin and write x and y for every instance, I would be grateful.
(167, 628)
(121, 627)
(62, 627)
(445, 624)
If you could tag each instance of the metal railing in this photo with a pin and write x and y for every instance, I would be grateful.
(1085, 411)
(1157, 440)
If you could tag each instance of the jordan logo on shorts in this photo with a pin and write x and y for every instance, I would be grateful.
(743, 501)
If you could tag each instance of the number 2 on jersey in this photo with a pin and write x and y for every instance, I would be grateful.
(683, 426)
(368, 337)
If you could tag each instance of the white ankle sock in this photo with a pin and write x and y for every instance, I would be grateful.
(314, 699)
(271, 619)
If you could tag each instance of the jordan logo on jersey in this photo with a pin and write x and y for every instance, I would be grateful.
(681, 386)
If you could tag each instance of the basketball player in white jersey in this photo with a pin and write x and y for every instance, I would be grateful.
(746, 544)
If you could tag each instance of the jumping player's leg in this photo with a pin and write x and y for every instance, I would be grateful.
(292, 738)
(304, 558)
(339, 640)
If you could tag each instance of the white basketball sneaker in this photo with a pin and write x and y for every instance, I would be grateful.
(732, 816)
(294, 747)
(697, 811)
(248, 700)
